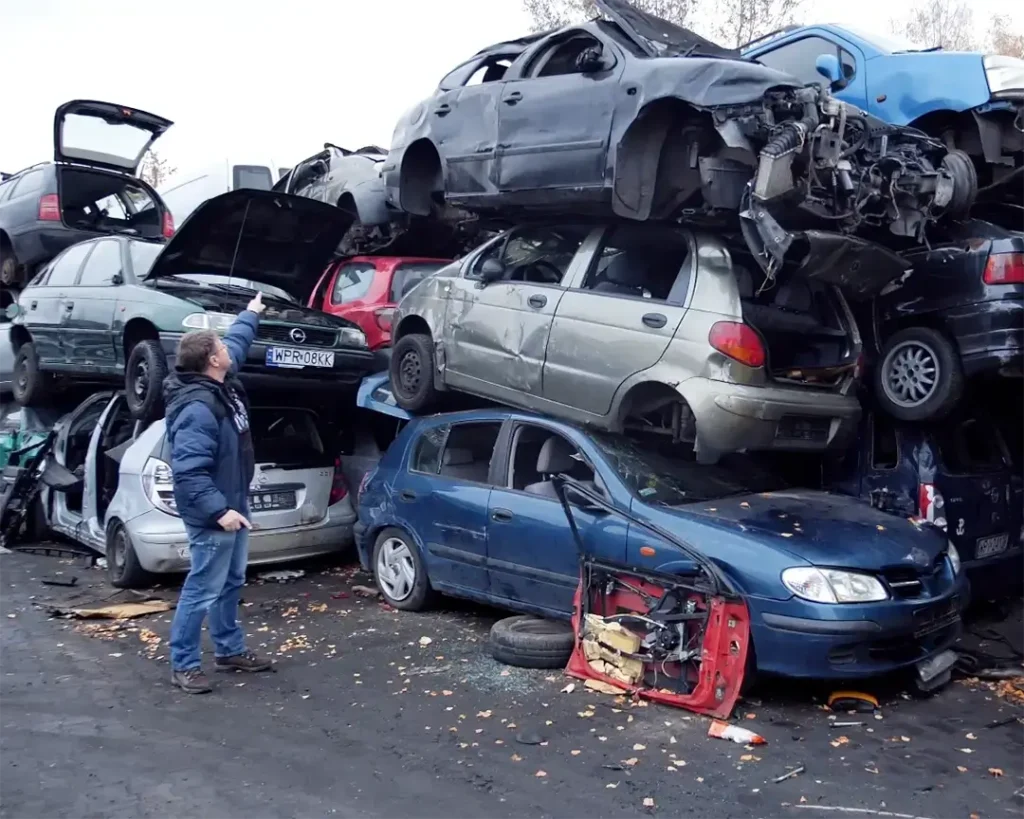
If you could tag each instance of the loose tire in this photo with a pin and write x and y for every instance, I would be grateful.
(144, 375)
(31, 386)
(531, 642)
(412, 373)
(123, 568)
(919, 376)
(400, 571)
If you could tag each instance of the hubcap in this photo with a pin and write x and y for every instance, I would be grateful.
(911, 373)
(118, 556)
(396, 571)
(141, 382)
(409, 372)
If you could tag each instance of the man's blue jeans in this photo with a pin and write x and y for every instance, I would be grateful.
(214, 587)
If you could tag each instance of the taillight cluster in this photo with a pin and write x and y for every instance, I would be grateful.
(931, 506)
(339, 488)
(49, 208)
(1004, 268)
(167, 226)
(383, 316)
(738, 341)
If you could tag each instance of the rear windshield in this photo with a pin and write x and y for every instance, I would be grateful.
(408, 275)
(659, 476)
(970, 447)
(143, 255)
(257, 177)
(287, 435)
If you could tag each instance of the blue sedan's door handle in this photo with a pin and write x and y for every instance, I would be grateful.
(501, 515)
(407, 495)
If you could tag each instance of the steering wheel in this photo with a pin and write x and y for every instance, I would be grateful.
(542, 266)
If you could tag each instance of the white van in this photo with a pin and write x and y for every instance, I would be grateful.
(186, 190)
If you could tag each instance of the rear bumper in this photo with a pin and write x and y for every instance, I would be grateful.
(161, 542)
(990, 336)
(350, 367)
(41, 241)
(735, 416)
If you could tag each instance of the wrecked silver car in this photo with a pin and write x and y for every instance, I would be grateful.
(646, 326)
(629, 115)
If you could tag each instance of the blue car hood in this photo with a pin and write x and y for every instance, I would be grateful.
(824, 529)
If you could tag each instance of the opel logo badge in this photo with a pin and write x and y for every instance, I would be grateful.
(298, 336)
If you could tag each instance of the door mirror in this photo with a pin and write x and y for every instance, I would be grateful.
(828, 66)
(13, 311)
(591, 60)
(117, 279)
(491, 271)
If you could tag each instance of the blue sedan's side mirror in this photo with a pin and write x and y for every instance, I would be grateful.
(828, 66)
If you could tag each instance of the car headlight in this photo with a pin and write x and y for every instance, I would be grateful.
(833, 585)
(1004, 74)
(954, 558)
(158, 485)
(208, 321)
(353, 337)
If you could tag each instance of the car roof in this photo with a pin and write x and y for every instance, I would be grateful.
(499, 414)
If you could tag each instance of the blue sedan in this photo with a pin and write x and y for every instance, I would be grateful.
(465, 504)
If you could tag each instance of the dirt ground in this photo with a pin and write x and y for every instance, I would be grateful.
(376, 713)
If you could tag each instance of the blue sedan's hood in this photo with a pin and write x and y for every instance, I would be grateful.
(824, 529)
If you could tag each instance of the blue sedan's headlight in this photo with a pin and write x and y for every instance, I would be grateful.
(954, 558)
(833, 585)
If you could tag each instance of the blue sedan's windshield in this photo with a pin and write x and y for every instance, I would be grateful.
(660, 478)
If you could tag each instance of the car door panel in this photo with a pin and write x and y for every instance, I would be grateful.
(41, 314)
(465, 123)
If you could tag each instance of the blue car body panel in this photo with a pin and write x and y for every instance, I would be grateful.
(514, 549)
(898, 87)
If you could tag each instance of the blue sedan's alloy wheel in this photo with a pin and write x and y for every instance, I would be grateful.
(400, 571)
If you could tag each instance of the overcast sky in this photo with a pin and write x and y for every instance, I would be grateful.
(264, 81)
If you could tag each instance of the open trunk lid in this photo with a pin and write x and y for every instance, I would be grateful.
(105, 135)
(263, 236)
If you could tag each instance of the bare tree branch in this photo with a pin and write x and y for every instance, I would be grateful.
(1003, 39)
(155, 170)
(740, 21)
(945, 23)
(550, 14)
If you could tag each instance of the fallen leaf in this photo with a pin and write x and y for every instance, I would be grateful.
(751, 716)
(602, 739)
(996, 771)
(447, 693)
(505, 673)
(747, 758)
(971, 736)
(630, 762)
(880, 528)
(585, 714)
(871, 770)
(541, 774)
(648, 802)
(569, 688)
(305, 696)
(485, 714)
(612, 785)
(639, 747)
(671, 768)
(700, 778)
(516, 758)
(967, 750)
(575, 752)
(425, 641)
(904, 739)
(961, 768)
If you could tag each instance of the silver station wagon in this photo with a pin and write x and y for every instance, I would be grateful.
(626, 326)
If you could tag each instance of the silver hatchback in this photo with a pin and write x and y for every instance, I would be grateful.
(635, 326)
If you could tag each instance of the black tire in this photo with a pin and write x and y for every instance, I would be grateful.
(909, 358)
(32, 386)
(123, 568)
(420, 595)
(412, 373)
(144, 375)
(531, 642)
(8, 267)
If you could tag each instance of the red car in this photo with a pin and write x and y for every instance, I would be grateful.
(365, 289)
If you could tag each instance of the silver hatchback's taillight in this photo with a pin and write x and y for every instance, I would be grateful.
(158, 485)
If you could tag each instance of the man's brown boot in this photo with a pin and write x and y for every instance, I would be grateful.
(246, 661)
(191, 681)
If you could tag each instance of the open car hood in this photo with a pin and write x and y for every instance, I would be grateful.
(264, 236)
(660, 38)
(105, 135)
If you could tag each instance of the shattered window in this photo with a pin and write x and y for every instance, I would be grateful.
(427, 455)
(490, 71)
(536, 254)
(561, 59)
(798, 59)
(644, 261)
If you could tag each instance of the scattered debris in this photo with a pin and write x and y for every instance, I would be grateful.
(602, 687)
(844, 724)
(569, 688)
(425, 641)
(366, 591)
(120, 611)
(852, 701)
(59, 581)
(648, 802)
(743, 736)
(996, 771)
(281, 575)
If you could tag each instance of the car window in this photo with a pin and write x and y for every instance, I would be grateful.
(970, 447)
(426, 455)
(286, 435)
(142, 255)
(252, 176)
(524, 466)
(352, 282)
(561, 58)
(885, 452)
(468, 450)
(491, 70)
(103, 264)
(28, 183)
(535, 254)
(408, 274)
(644, 261)
(65, 269)
(6, 188)
(659, 476)
(798, 58)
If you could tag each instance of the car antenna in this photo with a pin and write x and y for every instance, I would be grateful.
(238, 241)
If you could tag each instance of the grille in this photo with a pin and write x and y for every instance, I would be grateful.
(314, 337)
(906, 582)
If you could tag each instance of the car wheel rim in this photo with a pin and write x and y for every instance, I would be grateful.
(409, 372)
(140, 383)
(117, 558)
(911, 374)
(396, 570)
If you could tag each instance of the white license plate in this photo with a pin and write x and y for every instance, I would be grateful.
(991, 545)
(294, 359)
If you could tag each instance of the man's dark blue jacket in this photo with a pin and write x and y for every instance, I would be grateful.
(208, 429)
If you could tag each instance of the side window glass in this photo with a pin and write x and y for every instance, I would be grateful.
(884, 444)
(426, 457)
(561, 58)
(539, 255)
(537, 453)
(647, 262)
(798, 58)
(28, 183)
(468, 451)
(65, 270)
(491, 70)
(352, 282)
(104, 263)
